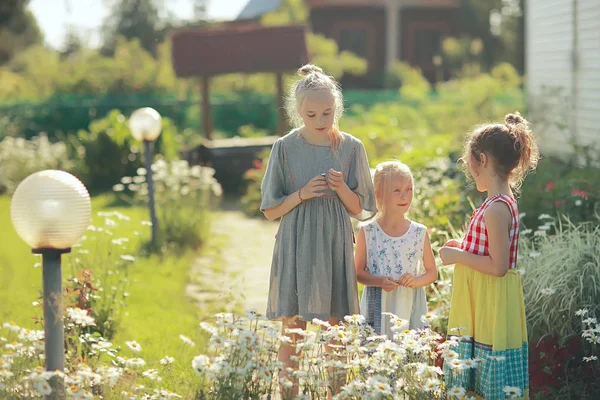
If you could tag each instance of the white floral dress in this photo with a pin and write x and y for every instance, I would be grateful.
(394, 256)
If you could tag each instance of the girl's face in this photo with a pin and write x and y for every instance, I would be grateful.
(398, 196)
(318, 111)
(479, 171)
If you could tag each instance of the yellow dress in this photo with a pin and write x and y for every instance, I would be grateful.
(487, 314)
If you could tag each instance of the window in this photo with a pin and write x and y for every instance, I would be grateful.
(427, 45)
(354, 40)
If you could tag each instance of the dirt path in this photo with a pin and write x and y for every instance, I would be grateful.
(234, 268)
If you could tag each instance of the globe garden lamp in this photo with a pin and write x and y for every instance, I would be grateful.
(50, 211)
(145, 125)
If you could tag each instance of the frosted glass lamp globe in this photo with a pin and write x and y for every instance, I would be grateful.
(51, 209)
(145, 124)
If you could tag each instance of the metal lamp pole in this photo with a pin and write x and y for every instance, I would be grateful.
(148, 147)
(146, 124)
(54, 332)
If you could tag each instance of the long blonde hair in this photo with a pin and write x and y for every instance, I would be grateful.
(312, 79)
(382, 178)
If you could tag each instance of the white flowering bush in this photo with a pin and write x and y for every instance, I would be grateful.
(244, 362)
(109, 371)
(99, 274)
(183, 195)
(20, 157)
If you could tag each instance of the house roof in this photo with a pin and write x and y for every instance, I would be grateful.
(198, 52)
(257, 8)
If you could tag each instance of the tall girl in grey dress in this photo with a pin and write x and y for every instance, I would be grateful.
(316, 178)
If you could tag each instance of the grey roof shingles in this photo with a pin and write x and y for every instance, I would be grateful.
(256, 8)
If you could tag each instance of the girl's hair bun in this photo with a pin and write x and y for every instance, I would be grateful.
(309, 69)
(514, 119)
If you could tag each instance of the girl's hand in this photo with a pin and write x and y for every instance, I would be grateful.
(314, 188)
(335, 180)
(388, 284)
(453, 243)
(448, 255)
(407, 280)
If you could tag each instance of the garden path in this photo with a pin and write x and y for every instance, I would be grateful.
(234, 267)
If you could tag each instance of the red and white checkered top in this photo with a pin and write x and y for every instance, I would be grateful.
(476, 238)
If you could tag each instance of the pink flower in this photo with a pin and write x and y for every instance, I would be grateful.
(550, 185)
(580, 193)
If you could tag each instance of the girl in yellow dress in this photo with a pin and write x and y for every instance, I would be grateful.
(487, 311)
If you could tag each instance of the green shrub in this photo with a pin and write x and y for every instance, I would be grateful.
(183, 197)
(19, 158)
(561, 188)
(561, 275)
(110, 151)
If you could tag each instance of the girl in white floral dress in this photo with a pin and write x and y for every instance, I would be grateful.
(394, 259)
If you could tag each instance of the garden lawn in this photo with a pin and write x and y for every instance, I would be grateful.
(157, 310)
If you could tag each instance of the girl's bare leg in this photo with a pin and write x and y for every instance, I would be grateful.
(286, 351)
(338, 381)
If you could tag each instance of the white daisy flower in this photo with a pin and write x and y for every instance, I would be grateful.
(286, 383)
(187, 340)
(11, 326)
(80, 317)
(355, 319)
(590, 358)
(166, 360)
(581, 312)
(135, 362)
(512, 392)
(152, 374)
(134, 345)
(428, 318)
(200, 363)
(432, 384)
(457, 391)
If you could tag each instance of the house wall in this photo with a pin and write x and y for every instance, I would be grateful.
(331, 21)
(563, 72)
(413, 20)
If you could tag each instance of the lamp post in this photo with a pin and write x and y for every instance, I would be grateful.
(50, 211)
(146, 124)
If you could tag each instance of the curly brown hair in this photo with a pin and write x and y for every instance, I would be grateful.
(511, 146)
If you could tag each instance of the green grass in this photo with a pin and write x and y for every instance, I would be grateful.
(157, 310)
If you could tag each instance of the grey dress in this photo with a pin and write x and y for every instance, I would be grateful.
(312, 272)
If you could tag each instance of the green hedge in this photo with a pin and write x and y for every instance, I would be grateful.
(63, 114)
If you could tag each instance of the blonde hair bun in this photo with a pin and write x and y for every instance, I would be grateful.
(309, 69)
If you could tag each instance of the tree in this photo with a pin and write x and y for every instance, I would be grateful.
(200, 10)
(324, 52)
(74, 43)
(18, 29)
(134, 19)
(500, 26)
